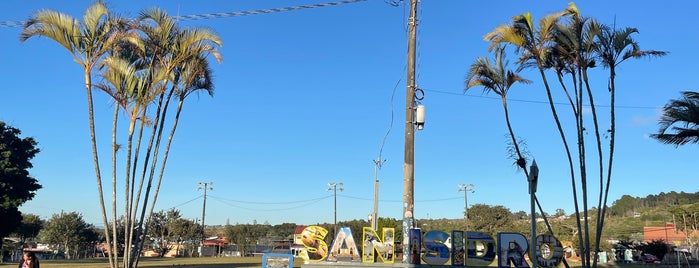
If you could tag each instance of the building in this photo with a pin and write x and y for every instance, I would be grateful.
(668, 233)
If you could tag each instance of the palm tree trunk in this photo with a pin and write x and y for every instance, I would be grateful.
(167, 150)
(159, 125)
(571, 167)
(135, 251)
(115, 150)
(612, 134)
(95, 156)
(601, 162)
(127, 206)
(583, 169)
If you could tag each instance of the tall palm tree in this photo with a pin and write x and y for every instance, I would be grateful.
(615, 46)
(171, 49)
(192, 74)
(575, 42)
(533, 43)
(495, 78)
(87, 40)
(132, 91)
(679, 123)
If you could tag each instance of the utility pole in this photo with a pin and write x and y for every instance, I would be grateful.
(334, 187)
(466, 188)
(204, 186)
(409, 157)
(375, 215)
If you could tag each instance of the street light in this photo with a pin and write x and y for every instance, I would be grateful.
(334, 187)
(466, 188)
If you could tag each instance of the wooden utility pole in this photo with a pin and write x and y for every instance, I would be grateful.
(409, 158)
(204, 186)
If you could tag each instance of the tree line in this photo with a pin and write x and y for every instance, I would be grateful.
(70, 236)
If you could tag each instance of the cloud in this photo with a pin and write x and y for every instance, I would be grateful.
(639, 120)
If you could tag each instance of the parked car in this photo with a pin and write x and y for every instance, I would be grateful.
(649, 258)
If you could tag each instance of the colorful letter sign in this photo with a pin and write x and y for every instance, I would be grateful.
(474, 249)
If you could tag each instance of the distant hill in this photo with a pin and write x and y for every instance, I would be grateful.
(628, 206)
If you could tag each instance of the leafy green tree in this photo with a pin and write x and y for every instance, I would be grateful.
(29, 228)
(68, 232)
(159, 231)
(245, 235)
(16, 185)
(186, 232)
(687, 220)
(679, 123)
(489, 219)
(283, 231)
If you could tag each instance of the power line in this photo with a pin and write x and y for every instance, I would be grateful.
(262, 11)
(182, 204)
(308, 202)
(228, 14)
(535, 101)
(272, 203)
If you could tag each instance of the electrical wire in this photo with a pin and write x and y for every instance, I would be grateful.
(308, 202)
(182, 204)
(228, 14)
(535, 101)
(263, 11)
(302, 203)
(273, 203)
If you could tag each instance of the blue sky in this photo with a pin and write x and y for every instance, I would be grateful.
(304, 98)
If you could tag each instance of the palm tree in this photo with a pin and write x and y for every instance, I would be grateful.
(680, 116)
(533, 44)
(494, 78)
(575, 42)
(173, 52)
(615, 46)
(87, 40)
(132, 91)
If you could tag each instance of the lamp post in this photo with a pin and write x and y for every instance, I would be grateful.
(333, 186)
(466, 188)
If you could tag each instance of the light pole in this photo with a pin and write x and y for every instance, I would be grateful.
(466, 188)
(334, 186)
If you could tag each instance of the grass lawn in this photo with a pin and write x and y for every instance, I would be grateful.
(207, 262)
